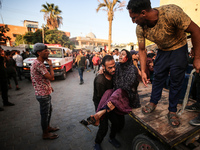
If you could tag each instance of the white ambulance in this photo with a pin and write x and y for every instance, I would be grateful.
(61, 57)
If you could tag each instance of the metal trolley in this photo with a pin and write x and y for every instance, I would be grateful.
(160, 135)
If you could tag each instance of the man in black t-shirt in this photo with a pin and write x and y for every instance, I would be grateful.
(102, 83)
(3, 81)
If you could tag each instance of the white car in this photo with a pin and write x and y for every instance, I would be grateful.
(61, 61)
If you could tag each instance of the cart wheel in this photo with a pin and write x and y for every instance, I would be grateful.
(143, 142)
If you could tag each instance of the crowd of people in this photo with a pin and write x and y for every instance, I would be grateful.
(118, 73)
(168, 31)
(10, 68)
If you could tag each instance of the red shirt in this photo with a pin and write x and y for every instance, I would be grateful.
(95, 60)
(41, 84)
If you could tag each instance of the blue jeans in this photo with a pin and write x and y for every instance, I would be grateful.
(80, 71)
(176, 63)
(45, 110)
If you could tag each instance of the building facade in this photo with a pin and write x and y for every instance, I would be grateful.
(20, 30)
(190, 7)
(89, 42)
(29, 26)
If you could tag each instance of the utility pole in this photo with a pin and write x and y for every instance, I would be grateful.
(43, 33)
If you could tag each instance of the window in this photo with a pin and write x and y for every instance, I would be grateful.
(15, 35)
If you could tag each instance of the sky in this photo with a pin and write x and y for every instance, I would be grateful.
(79, 18)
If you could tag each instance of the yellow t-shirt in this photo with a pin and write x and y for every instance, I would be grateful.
(169, 31)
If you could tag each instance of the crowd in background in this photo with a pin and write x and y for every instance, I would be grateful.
(94, 60)
(10, 68)
(14, 62)
(94, 63)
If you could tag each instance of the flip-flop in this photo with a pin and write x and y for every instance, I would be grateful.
(170, 119)
(148, 109)
(52, 136)
(53, 129)
(85, 123)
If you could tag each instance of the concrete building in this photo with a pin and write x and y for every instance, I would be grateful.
(89, 42)
(190, 7)
(29, 26)
(20, 30)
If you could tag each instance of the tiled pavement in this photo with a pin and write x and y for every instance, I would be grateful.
(20, 125)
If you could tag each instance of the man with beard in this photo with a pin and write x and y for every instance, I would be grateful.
(166, 26)
(102, 83)
(41, 82)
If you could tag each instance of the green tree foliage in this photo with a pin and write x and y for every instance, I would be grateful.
(58, 37)
(52, 15)
(29, 38)
(19, 40)
(50, 37)
(3, 30)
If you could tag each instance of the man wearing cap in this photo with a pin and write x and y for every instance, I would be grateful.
(41, 82)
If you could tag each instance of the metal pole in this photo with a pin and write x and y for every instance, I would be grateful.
(43, 34)
(2, 19)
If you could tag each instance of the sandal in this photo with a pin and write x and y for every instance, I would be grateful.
(93, 119)
(173, 118)
(50, 136)
(148, 108)
(85, 124)
(53, 129)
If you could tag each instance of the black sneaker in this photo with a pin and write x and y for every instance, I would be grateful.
(8, 104)
(97, 147)
(195, 121)
(115, 143)
(193, 107)
(1, 109)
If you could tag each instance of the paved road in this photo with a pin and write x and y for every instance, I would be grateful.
(20, 125)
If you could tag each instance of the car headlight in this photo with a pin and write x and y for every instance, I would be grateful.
(57, 64)
(24, 64)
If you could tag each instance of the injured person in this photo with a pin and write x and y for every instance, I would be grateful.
(123, 97)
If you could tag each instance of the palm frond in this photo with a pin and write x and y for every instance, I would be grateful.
(119, 6)
(106, 2)
(51, 15)
(45, 7)
(48, 5)
(43, 10)
(100, 6)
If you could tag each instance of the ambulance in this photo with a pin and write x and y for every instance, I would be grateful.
(61, 57)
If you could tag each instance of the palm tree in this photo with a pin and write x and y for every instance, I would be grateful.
(112, 6)
(52, 15)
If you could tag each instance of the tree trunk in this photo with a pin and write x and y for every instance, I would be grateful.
(110, 34)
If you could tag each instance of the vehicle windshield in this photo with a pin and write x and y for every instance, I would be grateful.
(30, 53)
(55, 52)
